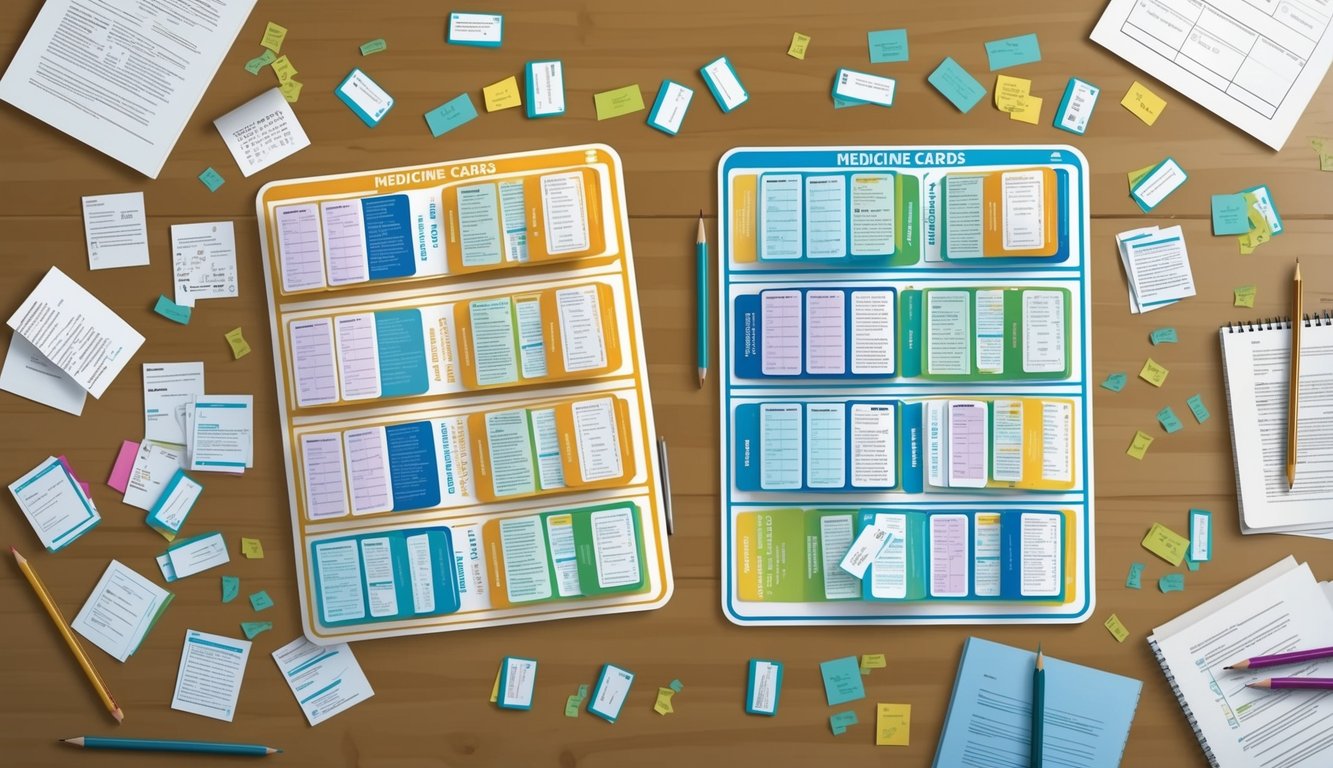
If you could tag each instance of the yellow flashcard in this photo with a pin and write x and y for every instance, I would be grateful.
(1146, 105)
(502, 95)
(1138, 447)
(1027, 110)
(893, 725)
(1166, 543)
(621, 101)
(1009, 91)
(799, 43)
(274, 34)
(1154, 373)
(239, 346)
(252, 549)
(1116, 628)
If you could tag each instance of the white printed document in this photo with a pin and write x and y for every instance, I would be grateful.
(122, 76)
(209, 680)
(27, 373)
(262, 131)
(120, 611)
(325, 680)
(1254, 63)
(116, 228)
(203, 257)
(165, 386)
(222, 433)
(54, 504)
(154, 466)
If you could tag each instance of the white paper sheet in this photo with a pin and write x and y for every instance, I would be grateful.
(325, 680)
(262, 131)
(120, 611)
(203, 258)
(209, 680)
(166, 386)
(116, 229)
(27, 373)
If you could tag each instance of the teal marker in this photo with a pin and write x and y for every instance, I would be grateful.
(164, 745)
(701, 256)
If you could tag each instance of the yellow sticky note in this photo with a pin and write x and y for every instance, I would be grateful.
(1009, 91)
(1116, 628)
(1135, 176)
(1146, 105)
(1139, 445)
(495, 687)
(239, 346)
(663, 704)
(621, 101)
(252, 549)
(291, 90)
(871, 661)
(1027, 110)
(1245, 295)
(282, 67)
(1154, 373)
(502, 95)
(799, 43)
(893, 725)
(274, 34)
(1166, 543)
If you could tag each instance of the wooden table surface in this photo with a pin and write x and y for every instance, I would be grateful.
(430, 706)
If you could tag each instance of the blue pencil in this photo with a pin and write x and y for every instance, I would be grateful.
(165, 745)
(701, 256)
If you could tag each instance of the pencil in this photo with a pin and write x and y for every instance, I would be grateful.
(701, 258)
(1038, 708)
(169, 745)
(1291, 657)
(1321, 683)
(1294, 385)
(70, 640)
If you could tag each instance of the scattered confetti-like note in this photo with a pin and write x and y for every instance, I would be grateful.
(1143, 103)
(1197, 408)
(1172, 582)
(871, 661)
(1163, 336)
(1138, 447)
(1154, 373)
(260, 600)
(231, 587)
(1135, 578)
(1169, 420)
(253, 549)
(799, 43)
(274, 34)
(1115, 382)
(374, 46)
(1245, 295)
(841, 721)
(211, 179)
(1116, 628)
(259, 62)
(172, 311)
(253, 628)
(1166, 543)
(239, 346)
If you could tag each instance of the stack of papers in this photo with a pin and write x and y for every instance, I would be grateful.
(57, 508)
(1157, 267)
(219, 433)
(122, 609)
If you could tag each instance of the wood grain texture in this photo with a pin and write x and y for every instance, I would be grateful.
(430, 707)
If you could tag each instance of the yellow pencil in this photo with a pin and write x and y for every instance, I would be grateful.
(1294, 384)
(70, 640)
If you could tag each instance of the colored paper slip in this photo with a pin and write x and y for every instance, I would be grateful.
(619, 102)
(1009, 91)
(1163, 336)
(259, 62)
(239, 346)
(231, 587)
(893, 725)
(252, 549)
(842, 681)
(253, 629)
(284, 69)
(374, 46)
(503, 95)
(1115, 382)
(1143, 103)
(172, 311)
(1197, 408)
(260, 601)
(1135, 578)
(211, 179)
(1013, 51)
(839, 722)
(1244, 295)
(1230, 215)
(799, 44)
(1138, 447)
(1169, 420)
(1027, 110)
(871, 661)
(274, 34)
(1166, 543)
(1116, 628)
(1154, 373)
(955, 84)
(450, 115)
(887, 45)
(1172, 582)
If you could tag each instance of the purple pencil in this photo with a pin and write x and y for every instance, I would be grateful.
(1294, 657)
(1322, 683)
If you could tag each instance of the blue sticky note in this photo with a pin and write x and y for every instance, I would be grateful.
(887, 45)
(1168, 419)
(212, 179)
(1230, 216)
(1115, 382)
(1197, 408)
(231, 587)
(1193, 565)
(451, 114)
(839, 721)
(1134, 580)
(839, 103)
(261, 601)
(172, 311)
(1172, 582)
(961, 89)
(253, 628)
(842, 680)
(1012, 51)
(1163, 336)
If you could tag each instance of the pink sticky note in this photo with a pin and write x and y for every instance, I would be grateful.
(120, 472)
(87, 489)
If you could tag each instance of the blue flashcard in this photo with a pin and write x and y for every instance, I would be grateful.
(450, 115)
(172, 311)
(252, 629)
(545, 85)
(387, 220)
(840, 721)
(842, 680)
(610, 693)
(960, 88)
(764, 688)
(400, 341)
(212, 179)
(1076, 106)
(518, 679)
(887, 45)
(260, 600)
(673, 101)
(1201, 536)
(364, 97)
(1012, 51)
(1230, 215)
(724, 83)
(413, 445)
(483, 30)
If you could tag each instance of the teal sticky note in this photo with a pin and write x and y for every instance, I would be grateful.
(261, 601)
(1172, 582)
(839, 721)
(451, 114)
(1168, 419)
(676, 686)
(887, 45)
(1115, 382)
(1193, 565)
(212, 179)
(1134, 580)
(842, 680)
(1197, 408)
(253, 628)
(172, 311)
(231, 587)
(1230, 215)
(1012, 51)
(844, 103)
(1163, 336)
(961, 89)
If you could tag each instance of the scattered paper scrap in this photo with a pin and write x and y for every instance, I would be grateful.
(1028, 111)
(955, 84)
(503, 95)
(1245, 295)
(1154, 373)
(618, 102)
(1166, 543)
(1143, 103)
(871, 661)
(374, 46)
(1135, 578)
(239, 346)
(1115, 382)
(259, 62)
(572, 704)
(1197, 408)
(1136, 176)
(119, 478)
(887, 45)
(1010, 90)
(893, 725)
(1116, 628)
(253, 628)
(253, 549)
(260, 600)
(841, 721)
(284, 69)
(274, 34)
(1163, 336)
(1138, 447)
(231, 587)
(495, 688)
(1229, 216)
(1324, 148)
(261, 132)
(451, 114)
(842, 681)
(799, 44)
(1169, 420)
(211, 179)
(1012, 51)
(1172, 582)
(676, 685)
(291, 91)
(172, 311)
(663, 704)
(1193, 565)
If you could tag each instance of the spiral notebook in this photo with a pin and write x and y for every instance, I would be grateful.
(1282, 608)
(1256, 361)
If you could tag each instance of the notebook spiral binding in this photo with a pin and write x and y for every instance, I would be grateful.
(1184, 705)
(1277, 323)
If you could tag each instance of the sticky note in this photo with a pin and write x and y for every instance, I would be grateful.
(871, 661)
(211, 179)
(620, 101)
(172, 311)
(1153, 373)
(231, 587)
(374, 46)
(893, 724)
(451, 114)
(485, 30)
(1163, 336)
(1136, 176)
(1115, 382)
(1168, 419)
(253, 628)
(1197, 408)
(1191, 564)
(119, 478)
(502, 95)
(1172, 582)
(663, 704)
(839, 722)
(1245, 295)
(887, 45)
(259, 62)
(1166, 543)
(1145, 104)
(1135, 578)
(1027, 110)
(291, 90)
(252, 549)
(1009, 91)
(274, 34)
(799, 43)
(955, 84)
(1116, 628)
(1138, 447)
(1012, 51)
(260, 600)
(495, 688)
(284, 69)
(583, 691)
(842, 681)
(1229, 215)
(676, 686)
(239, 346)
(571, 704)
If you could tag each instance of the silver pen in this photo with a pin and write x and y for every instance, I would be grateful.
(666, 484)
